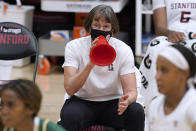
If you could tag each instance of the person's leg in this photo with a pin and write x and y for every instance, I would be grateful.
(134, 117)
(76, 115)
(131, 120)
(109, 115)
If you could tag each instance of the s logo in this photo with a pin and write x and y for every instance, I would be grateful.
(192, 35)
(147, 61)
(193, 47)
(110, 67)
(154, 42)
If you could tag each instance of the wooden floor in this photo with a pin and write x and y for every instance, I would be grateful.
(51, 86)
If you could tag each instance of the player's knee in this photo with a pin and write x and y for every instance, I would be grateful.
(135, 110)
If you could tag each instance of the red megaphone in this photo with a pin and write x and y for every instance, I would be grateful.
(102, 54)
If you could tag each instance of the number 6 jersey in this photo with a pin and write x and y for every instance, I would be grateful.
(181, 14)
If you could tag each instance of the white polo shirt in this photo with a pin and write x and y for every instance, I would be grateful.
(103, 83)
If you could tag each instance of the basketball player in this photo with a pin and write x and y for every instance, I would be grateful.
(174, 22)
(20, 103)
(175, 108)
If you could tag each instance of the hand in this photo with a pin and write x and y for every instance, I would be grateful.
(90, 64)
(93, 43)
(123, 103)
(175, 37)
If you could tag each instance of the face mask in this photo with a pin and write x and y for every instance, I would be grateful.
(96, 33)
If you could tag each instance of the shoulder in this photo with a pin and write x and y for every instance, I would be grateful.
(79, 42)
(54, 127)
(155, 108)
(47, 125)
(189, 105)
(156, 102)
(119, 45)
(115, 41)
(191, 95)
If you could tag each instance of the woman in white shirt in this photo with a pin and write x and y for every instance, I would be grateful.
(104, 95)
(174, 109)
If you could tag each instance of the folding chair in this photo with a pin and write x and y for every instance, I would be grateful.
(16, 42)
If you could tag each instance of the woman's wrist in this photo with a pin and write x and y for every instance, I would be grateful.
(90, 64)
(168, 32)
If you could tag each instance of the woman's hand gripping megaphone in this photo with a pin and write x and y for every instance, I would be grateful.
(93, 43)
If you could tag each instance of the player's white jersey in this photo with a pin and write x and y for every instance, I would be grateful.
(181, 14)
(181, 119)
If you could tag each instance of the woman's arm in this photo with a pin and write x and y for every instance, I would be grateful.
(129, 92)
(160, 21)
(74, 80)
(161, 27)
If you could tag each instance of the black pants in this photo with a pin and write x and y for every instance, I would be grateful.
(78, 114)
